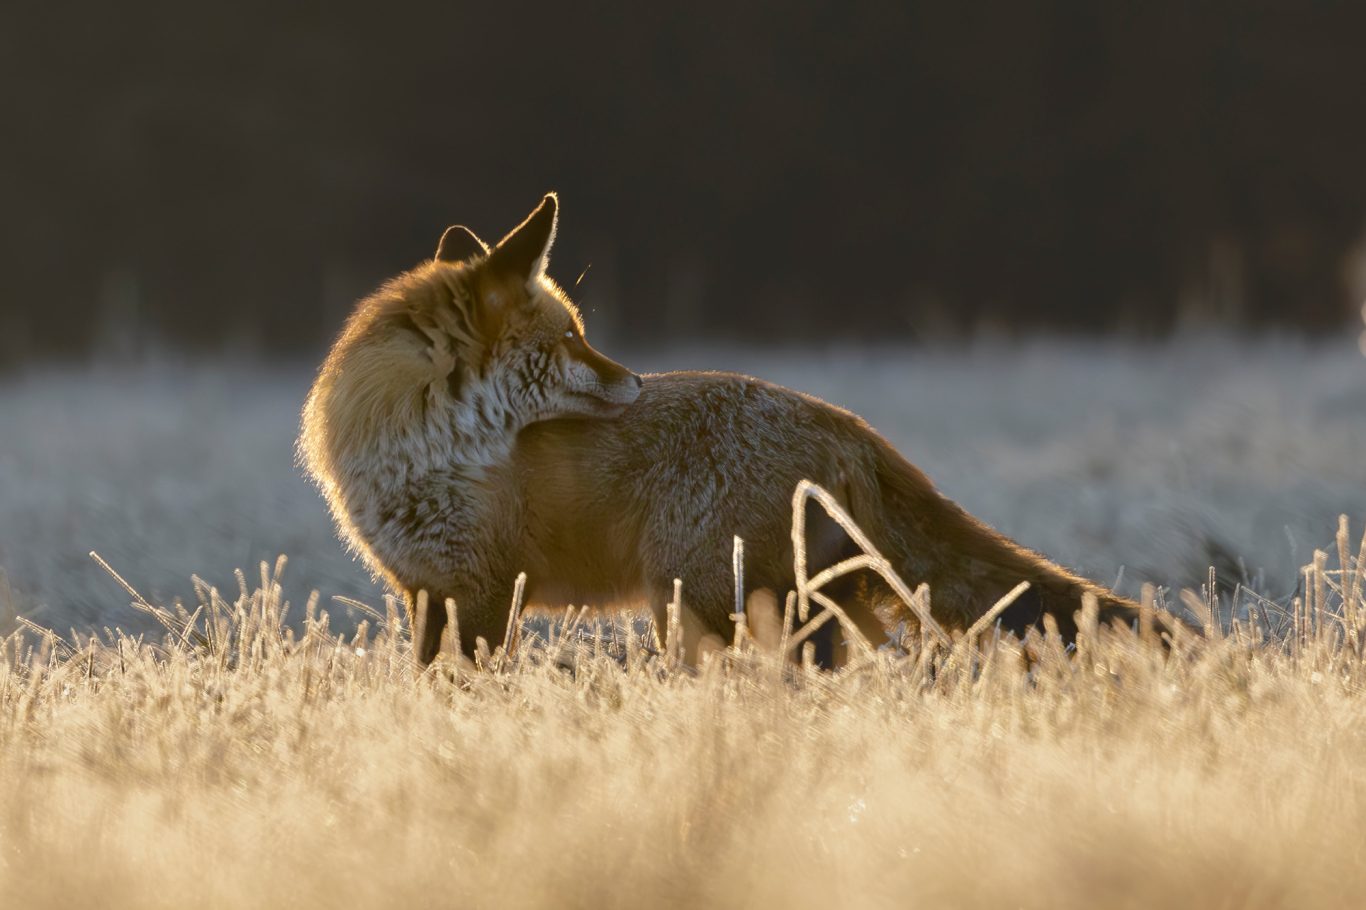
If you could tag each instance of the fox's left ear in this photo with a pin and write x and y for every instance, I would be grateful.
(460, 243)
(526, 251)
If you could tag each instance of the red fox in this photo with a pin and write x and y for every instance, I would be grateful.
(463, 431)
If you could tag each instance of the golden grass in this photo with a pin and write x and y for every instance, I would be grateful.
(239, 764)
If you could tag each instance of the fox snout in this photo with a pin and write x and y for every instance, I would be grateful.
(602, 378)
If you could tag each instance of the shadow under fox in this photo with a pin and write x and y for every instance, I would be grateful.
(463, 431)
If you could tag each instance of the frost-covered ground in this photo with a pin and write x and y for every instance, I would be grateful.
(1158, 458)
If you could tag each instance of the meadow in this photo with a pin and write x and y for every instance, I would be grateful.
(244, 739)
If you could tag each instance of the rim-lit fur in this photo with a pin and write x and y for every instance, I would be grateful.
(462, 431)
(416, 409)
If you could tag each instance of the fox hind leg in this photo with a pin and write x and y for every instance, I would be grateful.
(698, 637)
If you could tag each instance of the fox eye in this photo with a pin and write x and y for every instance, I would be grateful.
(571, 334)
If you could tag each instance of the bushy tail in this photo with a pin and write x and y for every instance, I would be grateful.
(968, 565)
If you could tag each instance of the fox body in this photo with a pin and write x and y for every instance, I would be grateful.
(463, 431)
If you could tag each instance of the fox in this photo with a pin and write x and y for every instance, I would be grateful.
(463, 432)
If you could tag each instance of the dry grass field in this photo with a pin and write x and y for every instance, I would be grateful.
(237, 763)
(247, 749)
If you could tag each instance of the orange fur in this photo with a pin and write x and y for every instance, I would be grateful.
(463, 431)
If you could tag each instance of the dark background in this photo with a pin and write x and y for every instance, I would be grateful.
(233, 176)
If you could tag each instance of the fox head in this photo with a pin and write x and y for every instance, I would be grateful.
(478, 342)
(517, 332)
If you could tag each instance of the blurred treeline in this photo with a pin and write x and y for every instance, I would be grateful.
(236, 174)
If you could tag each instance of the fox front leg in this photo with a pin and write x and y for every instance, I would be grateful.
(478, 615)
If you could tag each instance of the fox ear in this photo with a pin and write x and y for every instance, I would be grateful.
(458, 244)
(526, 251)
